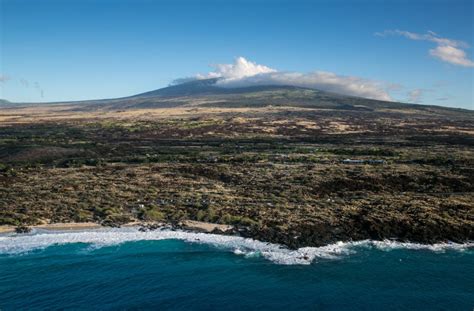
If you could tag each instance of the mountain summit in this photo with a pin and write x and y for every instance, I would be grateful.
(210, 87)
(195, 87)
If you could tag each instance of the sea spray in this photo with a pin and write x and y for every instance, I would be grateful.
(97, 238)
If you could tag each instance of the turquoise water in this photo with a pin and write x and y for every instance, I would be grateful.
(122, 270)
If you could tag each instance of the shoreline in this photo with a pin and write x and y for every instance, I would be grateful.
(199, 232)
(208, 228)
(191, 225)
(101, 236)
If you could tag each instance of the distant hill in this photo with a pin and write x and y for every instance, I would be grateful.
(4, 102)
(197, 87)
(208, 93)
(210, 87)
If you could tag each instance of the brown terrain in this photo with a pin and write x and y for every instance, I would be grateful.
(286, 165)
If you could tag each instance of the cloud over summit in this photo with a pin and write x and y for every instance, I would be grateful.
(247, 73)
(241, 68)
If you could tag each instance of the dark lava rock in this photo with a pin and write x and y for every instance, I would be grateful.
(150, 227)
(22, 229)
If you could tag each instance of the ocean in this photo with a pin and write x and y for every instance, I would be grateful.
(124, 269)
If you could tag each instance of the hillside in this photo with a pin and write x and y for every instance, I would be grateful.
(207, 94)
(284, 164)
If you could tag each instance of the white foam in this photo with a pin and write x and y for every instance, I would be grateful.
(17, 244)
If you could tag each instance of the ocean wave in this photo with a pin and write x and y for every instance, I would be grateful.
(19, 244)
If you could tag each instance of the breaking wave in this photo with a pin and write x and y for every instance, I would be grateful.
(19, 244)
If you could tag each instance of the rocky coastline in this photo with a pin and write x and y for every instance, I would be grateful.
(307, 237)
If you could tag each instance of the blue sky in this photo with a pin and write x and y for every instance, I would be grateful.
(417, 51)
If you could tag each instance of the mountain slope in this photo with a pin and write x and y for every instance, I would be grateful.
(197, 87)
(207, 93)
(210, 87)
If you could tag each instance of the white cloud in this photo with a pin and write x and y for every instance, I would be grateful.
(447, 50)
(429, 36)
(326, 81)
(246, 73)
(241, 68)
(414, 96)
(452, 55)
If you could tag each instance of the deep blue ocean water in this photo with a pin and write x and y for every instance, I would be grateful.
(179, 275)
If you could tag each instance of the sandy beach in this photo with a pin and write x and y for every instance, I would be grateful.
(207, 227)
(56, 226)
(186, 224)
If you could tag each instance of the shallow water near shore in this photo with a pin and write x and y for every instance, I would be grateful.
(127, 269)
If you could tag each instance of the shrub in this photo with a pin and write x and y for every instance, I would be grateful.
(116, 220)
(3, 167)
(238, 220)
(83, 216)
(9, 221)
(151, 215)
